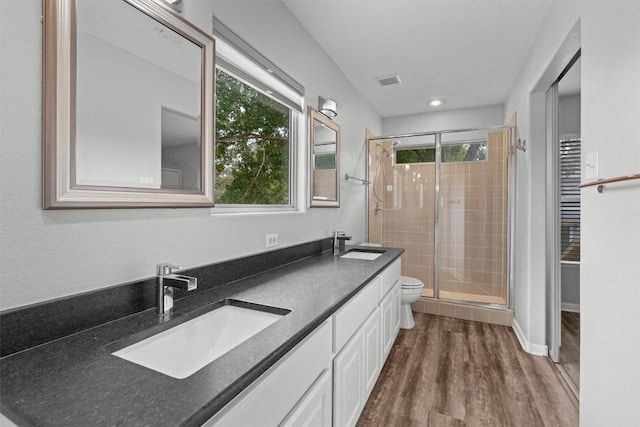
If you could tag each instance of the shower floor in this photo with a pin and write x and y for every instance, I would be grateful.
(466, 296)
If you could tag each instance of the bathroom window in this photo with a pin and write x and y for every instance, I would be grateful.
(415, 155)
(258, 109)
(324, 161)
(253, 145)
(467, 152)
(570, 199)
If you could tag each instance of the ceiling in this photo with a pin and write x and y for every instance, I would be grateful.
(468, 52)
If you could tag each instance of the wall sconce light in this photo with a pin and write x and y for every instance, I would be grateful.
(327, 106)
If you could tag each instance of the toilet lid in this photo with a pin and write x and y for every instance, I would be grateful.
(410, 282)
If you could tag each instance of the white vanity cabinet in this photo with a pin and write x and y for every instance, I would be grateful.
(349, 382)
(396, 317)
(356, 369)
(315, 408)
(327, 378)
(386, 309)
(372, 351)
(358, 363)
(285, 387)
(390, 312)
(390, 306)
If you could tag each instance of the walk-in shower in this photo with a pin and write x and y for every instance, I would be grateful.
(444, 197)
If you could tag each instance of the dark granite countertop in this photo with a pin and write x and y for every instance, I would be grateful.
(76, 381)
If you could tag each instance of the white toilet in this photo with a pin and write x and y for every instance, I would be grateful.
(410, 291)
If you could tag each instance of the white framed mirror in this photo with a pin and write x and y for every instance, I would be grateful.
(128, 106)
(324, 149)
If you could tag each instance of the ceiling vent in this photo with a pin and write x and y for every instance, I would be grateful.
(389, 80)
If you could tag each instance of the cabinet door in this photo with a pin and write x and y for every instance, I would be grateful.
(396, 308)
(372, 350)
(350, 317)
(315, 409)
(348, 378)
(387, 323)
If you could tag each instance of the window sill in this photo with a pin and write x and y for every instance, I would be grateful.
(250, 211)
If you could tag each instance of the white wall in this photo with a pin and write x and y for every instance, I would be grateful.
(610, 292)
(464, 118)
(50, 254)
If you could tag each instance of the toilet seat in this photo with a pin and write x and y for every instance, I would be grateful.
(410, 283)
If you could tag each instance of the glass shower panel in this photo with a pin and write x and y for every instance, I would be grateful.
(473, 217)
(402, 202)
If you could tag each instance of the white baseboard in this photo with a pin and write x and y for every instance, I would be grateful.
(574, 308)
(535, 349)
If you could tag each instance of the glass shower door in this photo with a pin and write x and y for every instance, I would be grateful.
(473, 217)
(443, 197)
(402, 202)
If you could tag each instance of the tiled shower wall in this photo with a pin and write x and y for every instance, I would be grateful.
(473, 220)
(324, 183)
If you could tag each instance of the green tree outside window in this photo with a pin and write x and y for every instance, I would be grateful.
(252, 145)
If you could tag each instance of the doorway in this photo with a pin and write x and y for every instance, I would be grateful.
(569, 95)
(563, 222)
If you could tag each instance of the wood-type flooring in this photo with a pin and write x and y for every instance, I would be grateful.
(451, 372)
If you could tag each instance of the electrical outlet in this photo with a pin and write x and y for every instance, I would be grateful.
(272, 240)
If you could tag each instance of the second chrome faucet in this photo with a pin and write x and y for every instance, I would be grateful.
(339, 238)
(166, 282)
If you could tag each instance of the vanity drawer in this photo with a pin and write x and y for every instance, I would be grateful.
(270, 399)
(390, 276)
(352, 315)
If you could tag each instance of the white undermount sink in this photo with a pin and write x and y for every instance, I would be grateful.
(362, 253)
(189, 346)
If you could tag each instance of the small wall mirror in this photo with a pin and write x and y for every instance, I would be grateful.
(128, 106)
(324, 165)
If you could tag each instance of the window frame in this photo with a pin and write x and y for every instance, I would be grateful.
(292, 206)
(239, 60)
(443, 144)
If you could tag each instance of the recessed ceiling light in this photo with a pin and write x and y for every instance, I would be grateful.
(436, 102)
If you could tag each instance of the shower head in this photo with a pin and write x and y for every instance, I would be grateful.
(389, 149)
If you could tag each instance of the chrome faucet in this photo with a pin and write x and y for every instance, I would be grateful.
(338, 241)
(166, 282)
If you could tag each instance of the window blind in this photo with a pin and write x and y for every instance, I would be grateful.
(570, 199)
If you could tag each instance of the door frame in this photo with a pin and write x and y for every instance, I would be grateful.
(542, 272)
(552, 249)
(553, 266)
